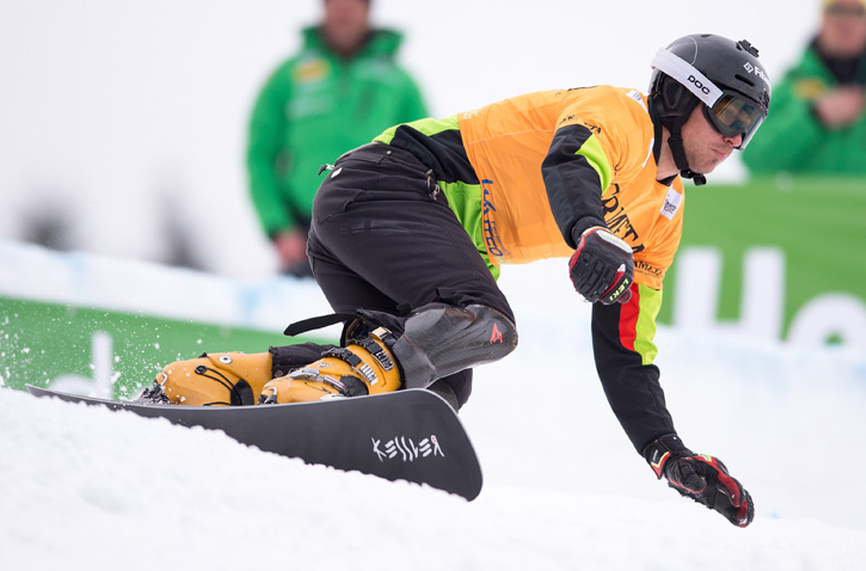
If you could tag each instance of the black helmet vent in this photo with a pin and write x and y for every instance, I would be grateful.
(746, 80)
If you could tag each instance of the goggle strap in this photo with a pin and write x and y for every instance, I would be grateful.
(688, 75)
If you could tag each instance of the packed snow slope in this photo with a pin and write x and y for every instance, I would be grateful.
(86, 488)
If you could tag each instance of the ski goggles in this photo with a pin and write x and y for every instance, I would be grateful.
(734, 115)
(729, 112)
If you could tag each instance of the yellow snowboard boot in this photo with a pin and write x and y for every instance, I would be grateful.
(364, 367)
(217, 379)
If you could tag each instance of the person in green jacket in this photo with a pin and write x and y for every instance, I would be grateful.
(342, 89)
(817, 124)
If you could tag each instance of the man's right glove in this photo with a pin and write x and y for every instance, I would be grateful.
(602, 267)
(700, 477)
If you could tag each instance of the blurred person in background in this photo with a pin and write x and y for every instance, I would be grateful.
(342, 89)
(818, 123)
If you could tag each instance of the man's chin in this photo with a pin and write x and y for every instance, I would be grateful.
(707, 169)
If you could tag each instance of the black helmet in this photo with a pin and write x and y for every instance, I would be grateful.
(724, 75)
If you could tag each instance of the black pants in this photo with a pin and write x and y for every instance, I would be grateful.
(382, 235)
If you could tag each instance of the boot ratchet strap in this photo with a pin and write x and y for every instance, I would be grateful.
(375, 349)
(355, 362)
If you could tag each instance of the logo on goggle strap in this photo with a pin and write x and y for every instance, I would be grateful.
(697, 83)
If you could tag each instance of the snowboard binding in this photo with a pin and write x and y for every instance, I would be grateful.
(365, 366)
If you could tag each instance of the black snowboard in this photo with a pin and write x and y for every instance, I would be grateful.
(411, 435)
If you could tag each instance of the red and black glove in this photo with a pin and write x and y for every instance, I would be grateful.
(602, 267)
(700, 477)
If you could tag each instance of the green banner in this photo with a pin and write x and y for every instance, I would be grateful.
(775, 258)
(106, 353)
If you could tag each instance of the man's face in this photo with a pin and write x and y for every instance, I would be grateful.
(843, 29)
(346, 23)
(705, 147)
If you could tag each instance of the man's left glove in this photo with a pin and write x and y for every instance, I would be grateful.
(602, 267)
(700, 477)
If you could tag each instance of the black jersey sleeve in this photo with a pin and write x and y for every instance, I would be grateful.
(630, 384)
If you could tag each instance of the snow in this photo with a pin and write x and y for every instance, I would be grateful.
(88, 488)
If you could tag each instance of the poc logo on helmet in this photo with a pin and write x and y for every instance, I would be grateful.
(704, 89)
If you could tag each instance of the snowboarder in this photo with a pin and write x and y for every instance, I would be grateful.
(409, 231)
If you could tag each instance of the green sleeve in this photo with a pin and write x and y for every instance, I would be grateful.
(266, 143)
